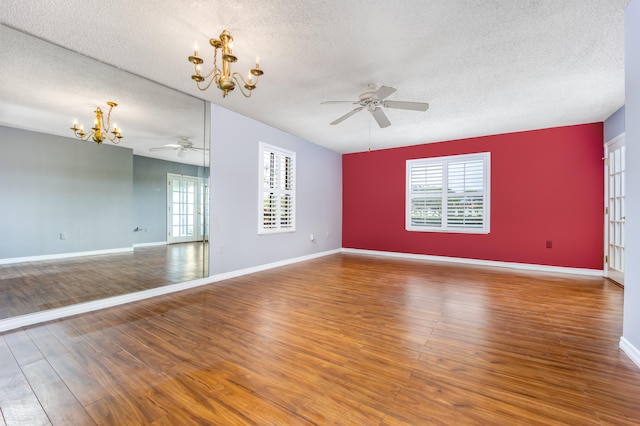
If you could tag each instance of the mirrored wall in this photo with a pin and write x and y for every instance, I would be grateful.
(82, 221)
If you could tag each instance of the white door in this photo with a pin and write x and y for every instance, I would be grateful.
(185, 213)
(615, 210)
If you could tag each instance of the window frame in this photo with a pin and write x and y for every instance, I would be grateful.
(444, 161)
(276, 191)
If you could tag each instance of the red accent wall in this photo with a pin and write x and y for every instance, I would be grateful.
(546, 185)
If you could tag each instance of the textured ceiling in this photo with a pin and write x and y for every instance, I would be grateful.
(484, 67)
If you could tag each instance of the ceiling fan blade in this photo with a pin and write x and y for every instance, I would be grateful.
(381, 117)
(383, 92)
(163, 148)
(415, 106)
(347, 115)
(338, 102)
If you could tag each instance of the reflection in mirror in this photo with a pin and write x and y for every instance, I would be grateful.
(82, 221)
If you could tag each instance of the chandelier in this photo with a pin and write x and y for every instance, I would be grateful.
(99, 132)
(224, 78)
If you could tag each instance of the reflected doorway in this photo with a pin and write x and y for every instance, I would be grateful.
(186, 209)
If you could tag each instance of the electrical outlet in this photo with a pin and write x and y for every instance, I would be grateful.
(549, 244)
(63, 235)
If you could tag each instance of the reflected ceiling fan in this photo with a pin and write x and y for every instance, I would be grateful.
(182, 146)
(372, 100)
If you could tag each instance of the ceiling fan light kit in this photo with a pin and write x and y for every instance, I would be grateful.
(99, 132)
(224, 78)
(374, 100)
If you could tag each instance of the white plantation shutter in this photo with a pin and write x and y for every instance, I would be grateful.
(449, 194)
(277, 190)
(426, 190)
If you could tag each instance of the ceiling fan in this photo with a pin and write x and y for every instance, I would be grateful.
(183, 145)
(372, 100)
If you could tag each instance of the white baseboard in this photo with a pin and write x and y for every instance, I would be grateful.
(632, 352)
(157, 243)
(80, 308)
(64, 255)
(253, 269)
(480, 262)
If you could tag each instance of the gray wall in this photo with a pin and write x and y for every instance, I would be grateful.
(52, 185)
(614, 125)
(150, 196)
(234, 240)
(631, 324)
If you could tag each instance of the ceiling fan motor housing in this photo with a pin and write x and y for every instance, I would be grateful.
(368, 92)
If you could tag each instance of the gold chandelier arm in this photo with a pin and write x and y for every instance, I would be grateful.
(215, 79)
(82, 135)
(242, 82)
(213, 71)
(114, 139)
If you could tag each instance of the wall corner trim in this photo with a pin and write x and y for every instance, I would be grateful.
(480, 262)
(631, 351)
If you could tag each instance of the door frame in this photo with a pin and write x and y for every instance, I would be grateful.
(613, 274)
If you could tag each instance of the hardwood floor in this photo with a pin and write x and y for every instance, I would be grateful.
(35, 286)
(345, 339)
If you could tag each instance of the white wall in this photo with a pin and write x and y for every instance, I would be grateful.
(234, 240)
(53, 185)
(631, 324)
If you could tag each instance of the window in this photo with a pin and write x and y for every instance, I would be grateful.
(448, 194)
(277, 190)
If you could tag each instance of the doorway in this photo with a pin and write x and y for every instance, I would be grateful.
(186, 212)
(615, 209)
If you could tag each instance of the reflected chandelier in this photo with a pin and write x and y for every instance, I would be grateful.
(224, 78)
(99, 132)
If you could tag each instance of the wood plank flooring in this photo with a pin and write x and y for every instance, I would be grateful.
(343, 340)
(29, 287)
